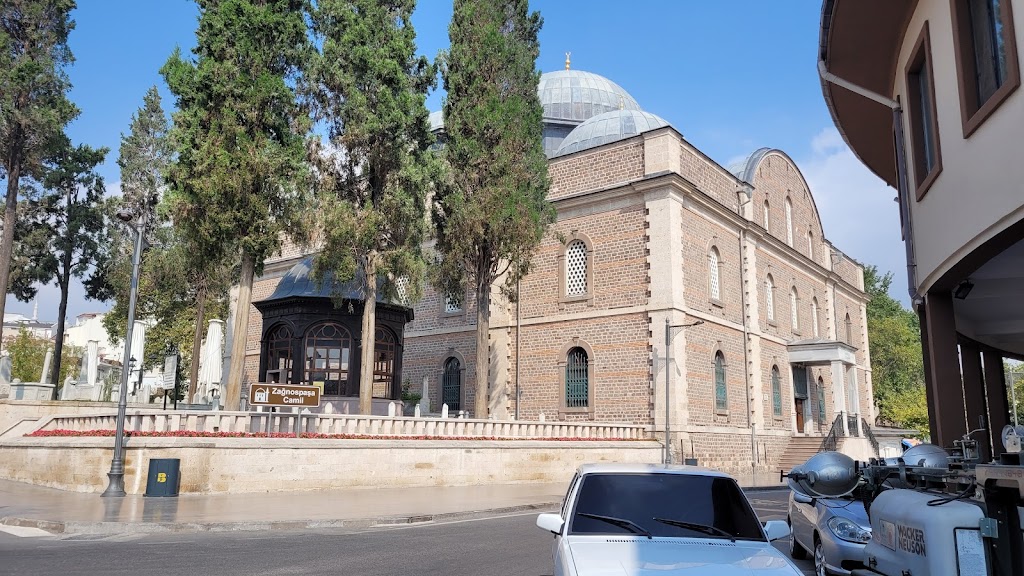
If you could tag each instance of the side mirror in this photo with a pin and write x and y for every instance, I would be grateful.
(776, 529)
(551, 522)
(802, 498)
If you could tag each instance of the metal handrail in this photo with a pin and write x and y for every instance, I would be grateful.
(870, 435)
(831, 442)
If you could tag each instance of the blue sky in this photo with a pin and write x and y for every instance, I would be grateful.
(730, 75)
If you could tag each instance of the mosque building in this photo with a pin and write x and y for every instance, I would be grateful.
(657, 252)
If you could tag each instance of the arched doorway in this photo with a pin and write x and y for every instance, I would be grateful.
(451, 384)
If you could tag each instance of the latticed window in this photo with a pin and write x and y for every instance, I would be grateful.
(402, 289)
(776, 391)
(279, 354)
(821, 400)
(814, 316)
(810, 245)
(577, 379)
(576, 268)
(849, 330)
(328, 351)
(766, 212)
(794, 311)
(721, 394)
(451, 384)
(789, 222)
(451, 304)
(716, 291)
(769, 297)
(384, 364)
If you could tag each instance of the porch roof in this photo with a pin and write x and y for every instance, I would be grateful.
(820, 351)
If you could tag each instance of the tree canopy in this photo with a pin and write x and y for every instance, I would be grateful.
(493, 212)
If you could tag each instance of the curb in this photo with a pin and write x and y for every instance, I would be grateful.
(112, 528)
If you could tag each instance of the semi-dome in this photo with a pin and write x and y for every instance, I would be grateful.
(575, 95)
(609, 127)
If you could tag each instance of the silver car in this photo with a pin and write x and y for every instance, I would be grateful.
(834, 530)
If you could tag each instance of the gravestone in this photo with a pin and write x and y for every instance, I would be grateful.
(5, 376)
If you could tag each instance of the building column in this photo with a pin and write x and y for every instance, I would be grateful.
(974, 397)
(942, 369)
(752, 320)
(665, 262)
(998, 403)
(839, 392)
(853, 397)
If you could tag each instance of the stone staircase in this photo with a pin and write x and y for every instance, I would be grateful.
(800, 448)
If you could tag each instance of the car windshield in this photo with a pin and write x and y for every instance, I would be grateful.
(712, 506)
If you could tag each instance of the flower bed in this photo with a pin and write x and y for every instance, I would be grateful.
(319, 436)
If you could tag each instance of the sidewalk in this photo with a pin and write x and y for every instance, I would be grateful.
(59, 512)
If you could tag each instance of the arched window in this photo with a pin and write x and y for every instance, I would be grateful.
(577, 379)
(794, 311)
(328, 351)
(766, 212)
(716, 291)
(576, 268)
(451, 383)
(849, 330)
(721, 393)
(789, 222)
(821, 401)
(769, 297)
(384, 364)
(279, 355)
(810, 245)
(776, 392)
(814, 316)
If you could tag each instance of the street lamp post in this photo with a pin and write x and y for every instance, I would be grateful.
(668, 361)
(115, 486)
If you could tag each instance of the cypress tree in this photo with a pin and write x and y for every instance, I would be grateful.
(239, 136)
(375, 169)
(494, 213)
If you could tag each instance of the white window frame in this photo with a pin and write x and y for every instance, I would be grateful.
(814, 316)
(794, 299)
(789, 222)
(769, 297)
(715, 287)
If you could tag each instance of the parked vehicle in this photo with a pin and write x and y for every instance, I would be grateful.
(633, 519)
(833, 530)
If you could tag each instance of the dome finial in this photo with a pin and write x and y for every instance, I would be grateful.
(567, 60)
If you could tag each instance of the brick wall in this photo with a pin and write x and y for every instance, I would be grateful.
(702, 342)
(425, 356)
(709, 177)
(774, 354)
(613, 164)
(699, 235)
(621, 375)
(787, 275)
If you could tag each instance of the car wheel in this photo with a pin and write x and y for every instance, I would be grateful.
(795, 549)
(819, 559)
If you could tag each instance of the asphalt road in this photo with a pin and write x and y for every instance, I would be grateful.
(505, 546)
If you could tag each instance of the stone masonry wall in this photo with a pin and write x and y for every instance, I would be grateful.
(596, 169)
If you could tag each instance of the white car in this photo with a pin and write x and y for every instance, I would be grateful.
(643, 519)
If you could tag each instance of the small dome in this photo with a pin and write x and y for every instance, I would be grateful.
(574, 95)
(299, 283)
(609, 127)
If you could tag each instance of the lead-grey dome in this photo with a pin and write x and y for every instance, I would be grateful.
(574, 95)
(609, 127)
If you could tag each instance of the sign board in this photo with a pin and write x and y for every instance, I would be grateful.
(284, 395)
(170, 372)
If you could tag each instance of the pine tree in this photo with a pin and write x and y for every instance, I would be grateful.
(239, 138)
(33, 101)
(494, 214)
(376, 168)
(71, 217)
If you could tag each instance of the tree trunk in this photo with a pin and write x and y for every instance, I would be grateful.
(7, 243)
(483, 351)
(233, 389)
(197, 341)
(368, 335)
(58, 345)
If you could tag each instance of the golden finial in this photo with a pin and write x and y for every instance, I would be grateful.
(567, 60)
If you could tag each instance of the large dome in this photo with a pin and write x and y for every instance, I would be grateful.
(609, 127)
(574, 95)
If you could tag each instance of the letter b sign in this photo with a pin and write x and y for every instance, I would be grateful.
(161, 477)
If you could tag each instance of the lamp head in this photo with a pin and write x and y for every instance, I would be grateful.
(125, 215)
